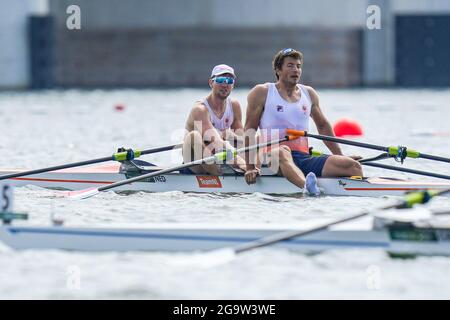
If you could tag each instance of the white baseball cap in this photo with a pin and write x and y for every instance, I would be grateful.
(222, 69)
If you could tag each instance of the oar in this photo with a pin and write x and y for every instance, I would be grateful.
(220, 156)
(118, 156)
(368, 162)
(382, 156)
(221, 256)
(398, 152)
(419, 172)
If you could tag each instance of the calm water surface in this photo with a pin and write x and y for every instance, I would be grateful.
(54, 127)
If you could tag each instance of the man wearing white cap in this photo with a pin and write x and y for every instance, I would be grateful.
(212, 121)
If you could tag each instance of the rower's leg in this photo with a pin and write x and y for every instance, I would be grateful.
(341, 166)
(194, 149)
(287, 166)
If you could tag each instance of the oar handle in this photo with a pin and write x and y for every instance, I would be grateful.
(300, 133)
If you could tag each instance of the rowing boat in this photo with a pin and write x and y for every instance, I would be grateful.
(397, 239)
(397, 233)
(99, 175)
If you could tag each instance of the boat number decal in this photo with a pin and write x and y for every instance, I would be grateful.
(158, 179)
(209, 182)
(342, 183)
(155, 179)
(411, 234)
(6, 198)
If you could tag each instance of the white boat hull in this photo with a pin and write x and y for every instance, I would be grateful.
(179, 238)
(97, 176)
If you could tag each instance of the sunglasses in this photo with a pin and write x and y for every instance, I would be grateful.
(287, 51)
(227, 80)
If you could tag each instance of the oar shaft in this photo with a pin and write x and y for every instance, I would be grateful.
(408, 202)
(154, 174)
(185, 165)
(161, 149)
(266, 241)
(419, 172)
(432, 157)
(398, 152)
(59, 167)
(84, 163)
(349, 142)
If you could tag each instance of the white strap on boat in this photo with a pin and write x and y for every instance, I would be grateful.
(265, 171)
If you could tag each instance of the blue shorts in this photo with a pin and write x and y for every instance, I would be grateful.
(308, 164)
(186, 171)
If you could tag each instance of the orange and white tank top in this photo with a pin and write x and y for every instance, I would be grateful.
(227, 119)
(279, 115)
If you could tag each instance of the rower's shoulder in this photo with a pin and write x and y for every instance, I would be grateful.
(199, 108)
(309, 89)
(261, 88)
(199, 105)
(259, 92)
(312, 92)
(235, 104)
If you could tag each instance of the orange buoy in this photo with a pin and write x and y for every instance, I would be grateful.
(347, 127)
(119, 107)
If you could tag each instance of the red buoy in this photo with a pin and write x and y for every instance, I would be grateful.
(119, 107)
(347, 127)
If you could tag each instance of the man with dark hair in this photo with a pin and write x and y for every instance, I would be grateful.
(286, 104)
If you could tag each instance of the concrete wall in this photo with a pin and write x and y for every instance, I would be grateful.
(420, 6)
(13, 44)
(176, 42)
(185, 56)
(104, 14)
(136, 42)
(14, 50)
(379, 49)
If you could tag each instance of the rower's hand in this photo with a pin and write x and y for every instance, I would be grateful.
(356, 158)
(251, 175)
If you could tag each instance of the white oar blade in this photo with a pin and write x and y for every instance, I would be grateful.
(82, 194)
(205, 260)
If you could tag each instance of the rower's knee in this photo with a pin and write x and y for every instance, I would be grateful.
(355, 168)
(193, 146)
(193, 137)
(194, 140)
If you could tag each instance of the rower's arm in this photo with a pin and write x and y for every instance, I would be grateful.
(236, 131)
(202, 124)
(323, 125)
(237, 121)
(255, 108)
